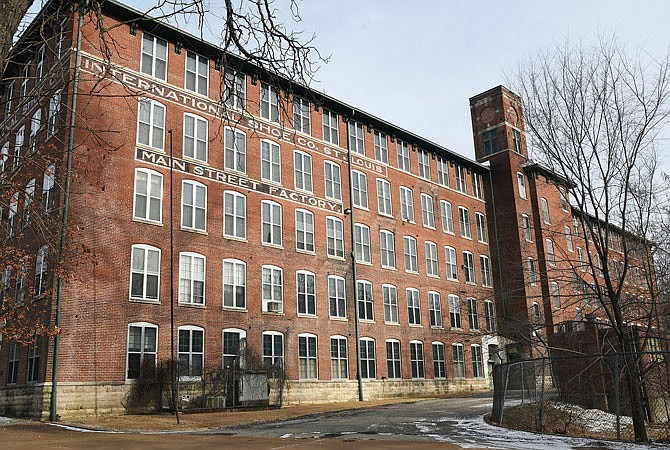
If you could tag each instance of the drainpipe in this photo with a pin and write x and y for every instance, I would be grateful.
(83, 7)
(353, 266)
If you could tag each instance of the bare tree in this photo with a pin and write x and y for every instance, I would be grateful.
(593, 116)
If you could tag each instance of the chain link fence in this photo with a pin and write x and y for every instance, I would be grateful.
(583, 395)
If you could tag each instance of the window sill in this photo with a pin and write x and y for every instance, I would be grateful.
(148, 147)
(235, 238)
(436, 327)
(304, 191)
(413, 272)
(429, 226)
(305, 252)
(389, 215)
(145, 301)
(338, 319)
(366, 320)
(194, 230)
(147, 221)
(274, 313)
(307, 316)
(365, 263)
(277, 246)
(192, 305)
(452, 279)
(395, 324)
(433, 276)
(390, 268)
(235, 309)
(339, 258)
(415, 325)
(195, 160)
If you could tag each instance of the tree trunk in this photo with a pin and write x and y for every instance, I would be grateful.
(11, 14)
(635, 391)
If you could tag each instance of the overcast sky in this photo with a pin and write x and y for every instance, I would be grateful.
(416, 63)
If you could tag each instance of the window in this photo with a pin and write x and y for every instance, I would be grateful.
(191, 351)
(9, 97)
(145, 272)
(381, 147)
(234, 215)
(336, 297)
(454, 311)
(406, 204)
(20, 287)
(142, 347)
(302, 165)
(272, 289)
(306, 290)
(469, 267)
(154, 56)
(403, 156)
(551, 258)
(580, 259)
(482, 232)
(516, 137)
(356, 137)
(447, 217)
(427, 214)
(197, 73)
(234, 344)
(273, 349)
(490, 138)
(60, 40)
(195, 137)
(334, 237)
(387, 246)
(450, 260)
(54, 113)
(416, 359)
(41, 271)
(269, 103)
(234, 284)
(333, 180)
(424, 164)
(194, 206)
(11, 215)
(4, 156)
(568, 238)
(489, 315)
(28, 197)
(32, 374)
(359, 184)
(525, 224)
(477, 362)
(362, 243)
(393, 359)
(460, 179)
(439, 370)
(384, 197)
(434, 309)
(532, 274)
(301, 115)
(555, 295)
(339, 367)
(270, 161)
(271, 225)
(521, 181)
(18, 146)
(13, 369)
(431, 259)
(330, 129)
(235, 86)
(367, 356)
(537, 317)
(564, 198)
(413, 307)
(459, 360)
(35, 124)
(485, 264)
(191, 278)
(23, 92)
(477, 186)
(364, 300)
(304, 230)
(409, 250)
(473, 314)
(442, 171)
(39, 65)
(390, 295)
(235, 150)
(307, 357)
(151, 124)
(545, 210)
(464, 222)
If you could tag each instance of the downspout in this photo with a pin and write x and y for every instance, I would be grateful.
(353, 266)
(83, 6)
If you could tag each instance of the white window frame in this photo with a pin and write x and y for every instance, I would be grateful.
(454, 312)
(304, 231)
(390, 296)
(413, 307)
(235, 150)
(39, 64)
(195, 75)
(473, 313)
(333, 180)
(356, 137)
(305, 293)
(568, 239)
(443, 171)
(334, 237)
(270, 161)
(269, 103)
(482, 231)
(272, 223)
(368, 357)
(461, 184)
(387, 249)
(54, 113)
(364, 301)
(404, 163)
(469, 267)
(417, 360)
(235, 276)
(432, 266)
(362, 243)
(235, 85)
(194, 206)
(532, 272)
(521, 184)
(143, 352)
(145, 272)
(424, 164)
(337, 297)
(152, 198)
(458, 360)
(464, 222)
(302, 171)
(239, 351)
(451, 263)
(339, 363)
(477, 190)
(234, 215)
(301, 115)
(272, 283)
(35, 126)
(308, 361)
(406, 204)
(155, 125)
(187, 293)
(427, 211)
(477, 361)
(410, 254)
(272, 357)
(555, 295)
(195, 141)
(551, 256)
(155, 56)
(545, 211)
(485, 264)
(191, 353)
(393, 359)
(525, 225)
(381, 147)
(489, 315)
(359, 184)
(447, 217)
(434, 309)
(18, 146)
(384, 204)
(439, 363)
(331, 132)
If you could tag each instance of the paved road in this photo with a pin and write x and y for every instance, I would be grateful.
(456, 420)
